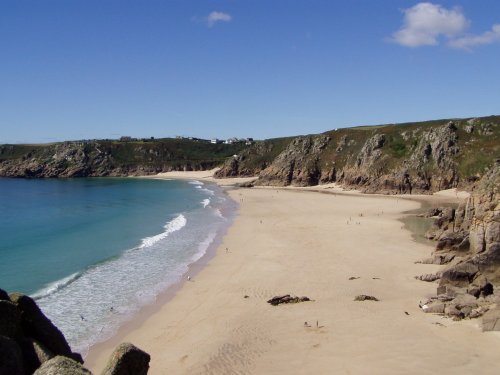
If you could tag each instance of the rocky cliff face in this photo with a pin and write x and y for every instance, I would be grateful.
(469, 244)
(297, 164)
(110, 158)
(406, 158)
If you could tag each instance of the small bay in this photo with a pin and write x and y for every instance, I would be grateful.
(93, 251)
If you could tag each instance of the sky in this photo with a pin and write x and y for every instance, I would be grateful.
(85, 69)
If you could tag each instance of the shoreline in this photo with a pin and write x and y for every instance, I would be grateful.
(171, 328)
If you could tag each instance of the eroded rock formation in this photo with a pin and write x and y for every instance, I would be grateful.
(468, 238)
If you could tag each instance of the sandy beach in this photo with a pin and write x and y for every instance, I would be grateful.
(305, 243)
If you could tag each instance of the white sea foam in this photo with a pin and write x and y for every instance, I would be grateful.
(219, 214)
(208, 191)
(55, 286)
(203, 246)
(205, 202)
(196, 182)
(174, 225)
(113, 291)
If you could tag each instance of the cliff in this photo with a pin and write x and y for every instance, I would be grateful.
(415, 157)
(468, 243)
(111, 158)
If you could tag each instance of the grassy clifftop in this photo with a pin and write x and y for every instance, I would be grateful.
(420, 156)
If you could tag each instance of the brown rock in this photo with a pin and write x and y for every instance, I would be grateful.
(60, 365)
(434, 308)
(364, 297)
(459, 275)
(127, 360)
(287, 298)
(491, 320)
(429, 277)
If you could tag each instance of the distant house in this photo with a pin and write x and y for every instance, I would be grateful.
(230, 141)
(215, 141)
(126, 139)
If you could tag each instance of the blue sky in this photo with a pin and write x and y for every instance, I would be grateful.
(78, 69)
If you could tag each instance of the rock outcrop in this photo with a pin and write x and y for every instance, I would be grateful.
(298, 164)
(469, 237)
(31, 344)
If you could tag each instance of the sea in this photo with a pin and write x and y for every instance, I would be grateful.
(93, 251)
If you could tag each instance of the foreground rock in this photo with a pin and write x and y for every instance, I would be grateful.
(62, 366)
(31, 344)
(287, 298)
(11, 360)
(37, 326)
(127, 360)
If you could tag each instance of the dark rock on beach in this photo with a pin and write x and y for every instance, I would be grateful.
(287, 298)
(364, 297)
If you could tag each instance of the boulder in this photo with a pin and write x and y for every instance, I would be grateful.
(434, 308)
(11, 360)
(453, 240)
(36, 325)
(429, 277)
(60, 365)
(127, 360)
(491, 320)
(364, 297)
(452, 311)
(287, 298)
(34, 354)
(10, 320)
(482, 287)
(459, 275)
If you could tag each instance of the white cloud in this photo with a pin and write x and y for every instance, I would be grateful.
(468, 41)
(215, 17)
(424, 23)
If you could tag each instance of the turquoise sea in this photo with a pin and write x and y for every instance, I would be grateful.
(93, 251)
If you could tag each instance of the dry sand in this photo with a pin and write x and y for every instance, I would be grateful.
(309, 244)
